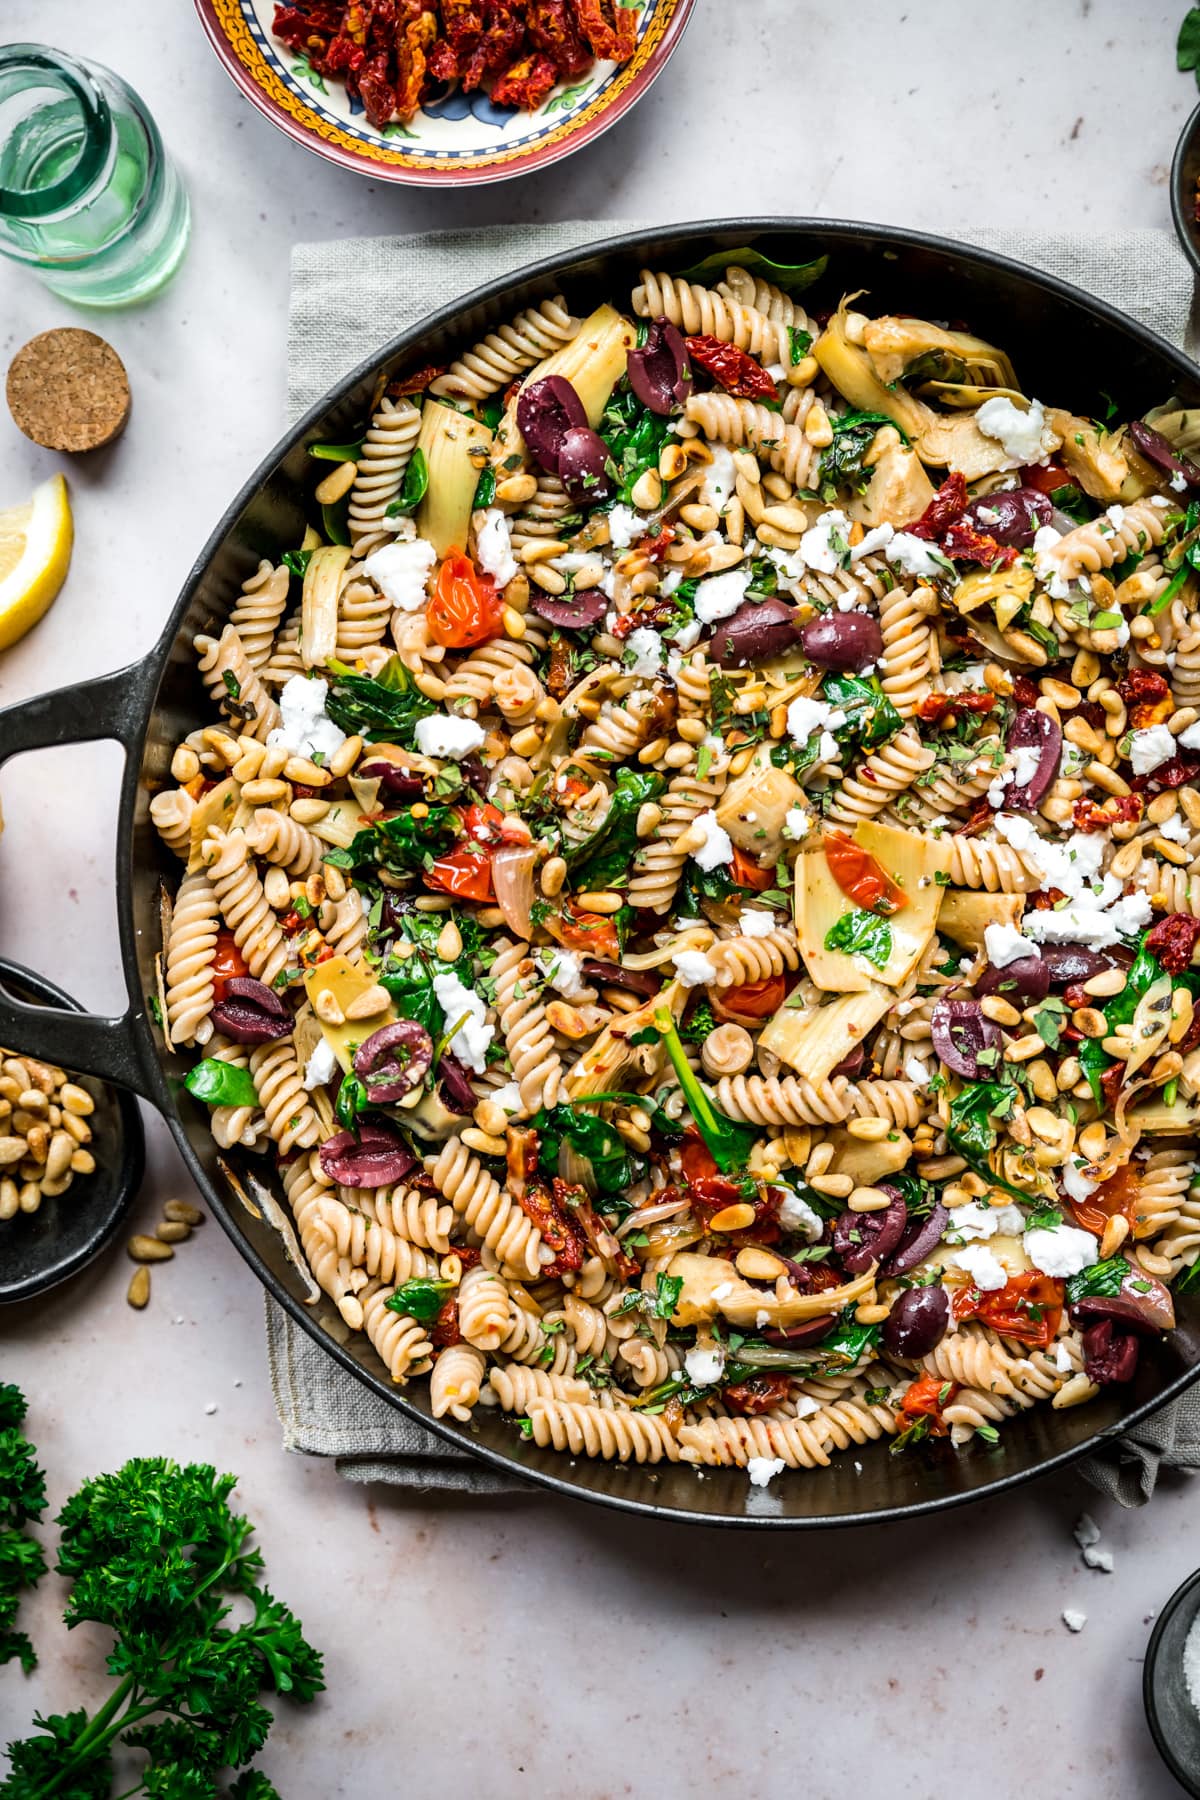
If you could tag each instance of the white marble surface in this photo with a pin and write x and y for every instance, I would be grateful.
(535, 1646)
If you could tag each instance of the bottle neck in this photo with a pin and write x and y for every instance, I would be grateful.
(56, 132)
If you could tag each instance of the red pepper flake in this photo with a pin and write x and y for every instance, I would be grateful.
(526, 84)
(1123, 809)
(610, 30)
(947, 506)
(1173, 941)
(736, 372)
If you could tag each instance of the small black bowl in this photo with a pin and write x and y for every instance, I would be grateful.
(38, 1250)
(1185, 172)
(1170, 1711)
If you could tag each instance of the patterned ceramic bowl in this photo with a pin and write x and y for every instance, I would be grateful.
(461, 137)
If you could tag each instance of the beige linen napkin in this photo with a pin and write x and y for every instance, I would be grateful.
(348, 298)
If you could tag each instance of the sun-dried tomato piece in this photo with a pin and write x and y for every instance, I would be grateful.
(412, 51)
(543, 1206)
(526, 84)
(1140, 685)
(978, 819)
(656, 547)
(443, 61)
(462, 20)
(445, 1330)
(379, 95)
(1044, 898)
(416, 383)
(738, 373)
(1171, 774)
(962, 543)
(343, 57)
(610, 30)
(936, 707)
(1123, 809)
(758, 1394)
(947, 505)
(1173, 940)
(1025, 691)
(1111, 1082)
(553, 28)
(558, 675)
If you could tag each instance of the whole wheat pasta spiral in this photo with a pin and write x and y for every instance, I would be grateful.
(593, 1431)
(997, 867)
(483, 1308)
(381, 465)
(362, 1239)
(879, 777)
(291, 1119)
(699, 311)
(508, 351)
(726, 1443)
(898, 1101)
(258, 610)
(172, 812)
(486, 1209)
(233, 681)
(412, 1214)
(785, 1100)
(909, 647)
(400, 1340)
(285, 659)
(364, 615)
(278, 839)
(1109, 539)
(516, 1387)
(475, 677)
(195, 922)
(243, 904)
(455, 1381)
(782, 446)
(536, 1064)
(742, 959)
(854, 1419)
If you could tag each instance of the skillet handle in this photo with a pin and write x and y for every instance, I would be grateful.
(111, 706)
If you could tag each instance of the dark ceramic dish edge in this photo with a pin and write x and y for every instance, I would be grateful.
(1185, 170)
(268, 512)
(123, 1183)
(1189, 1779)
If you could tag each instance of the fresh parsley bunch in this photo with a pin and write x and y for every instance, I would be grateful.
(22, 1497)
(153, 1553)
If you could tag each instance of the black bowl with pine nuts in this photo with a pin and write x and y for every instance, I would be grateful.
(71, 1158)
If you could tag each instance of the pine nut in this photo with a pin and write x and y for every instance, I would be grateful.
(1074, 1392)
(369, 1004)
(138, 1291)
(871, 1312)
(183, 1212)
(145, 1249)
(733, 1218)
(82, 1163)
(12, 1149)
(77, 1128)
(308, 810)
(345, 757)
(58, 1156)
(870, 1131)
(266, 793)
(339, 481)
(647, 491)
(173, 1231)
(838, 1187)
(554, 873)
(1115, 1233)
(758, 1265)
(298, 768)
(1108, 982)
(993, 1006)
(278, 889)
(516, 488)
(1092, 1023)
(326, 1007)
(449, 944)
(868, 1199)
(601, 903)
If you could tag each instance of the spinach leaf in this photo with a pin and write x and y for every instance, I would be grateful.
(421, 1300)
(848, 1342)
(1187, 46)
(404, 844)
(701, 1024)
(413, 488)
(220, 1083)
(635, 437)
(351, 1100)
(972, 1129)
(793, 278)
(799, 344)
(870, 716)
(1189, 1281)
(729, 1143)
(603, 859)
(297, 561)
(666, 1296)
(485, 490)
(588, 1135)
(334, 520)
(1074, 502)
(336, 453)
(387, 705)
(1103, 1278)
(1143, 973)
(863, 932)
(841, 462)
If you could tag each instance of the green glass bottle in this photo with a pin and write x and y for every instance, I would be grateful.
(88, 196)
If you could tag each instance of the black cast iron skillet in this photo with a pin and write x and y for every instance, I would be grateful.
(1066, 346)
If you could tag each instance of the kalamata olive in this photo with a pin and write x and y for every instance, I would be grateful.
(373, 1158)
(917, 1322)
(861, 1239)
(1067, 964)
(757, 630)
(658, 372)
(921, 1236)
(851, 1065)
(395, 782)
(1014, 516)
(842, 640)
(1033, 730)
(573, 612)
(546, 411)
(960, 1032)
(634, 981)
(1109, 1355)
(1141, 1304)
(1155, 448)
(1024, 981)
(249, 1012)
(454, 1085)
(796, 1337)
(583, 466)
(393, 1060)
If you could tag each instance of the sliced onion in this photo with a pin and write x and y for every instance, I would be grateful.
(512, 879)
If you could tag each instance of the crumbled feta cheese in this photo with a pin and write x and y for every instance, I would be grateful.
(797, 824)
(704, 1366)
(875, 539)
(470, 1041)
(1004, 944)
(997, 787)
(1099, 1559)
(762, 1319)
(508, 1098)
(1147, 749)
(760, 1469)
(304, 727)
(1086, 1531)
(1025, 436)
(917, 1071)
(795, 1214)
(1076, 1184)
(1060, 1250)
(320, 1066)
(693, 968)
(1072, 866)
(1190, 739)
(561, 970)
(1096, 919)
(972, 1221)
(824, 544)
(806, 1406)
(913, 556)
(1021, 833)
(1175, 829)
(1027, 761)
(493, 546)
(718, 596)
(986, 1271)
(808, 718)
(447, 735)
(625, 526)
(401, 571)
(1062, 1358)
(1073, 1619)
(753, 922)
(647, 649)
(717, 847)
(719, 477)
(688, 636)
(1179, 482)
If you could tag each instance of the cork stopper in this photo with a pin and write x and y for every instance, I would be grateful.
(68, 390)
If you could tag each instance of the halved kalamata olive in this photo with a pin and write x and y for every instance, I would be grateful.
(921, 1236)
(1024, 981)
(1109, 1355)
(757, 630)
(395, 782)
(1141, 1304)
(634, 981)
(797, 1337)
(475, 775)
(1034, 730)
(393, 1060)
(851, 1065)
(249, 1012)
(1013, 517)
(574, 612)
(861, 1239)
(373, 1158)
(960, 1032)
(917, 1322)
(1067, 964)
(658, 372)
(454, 1085)
(842, 640)
(546, 411)
(583, 465)
(1155, 448)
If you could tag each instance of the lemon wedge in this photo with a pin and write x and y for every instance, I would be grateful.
(35, 552)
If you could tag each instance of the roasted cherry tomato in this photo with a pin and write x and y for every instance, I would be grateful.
(465, 608)
(926, 1398)
(228, 964)
(758, 1394)
(1118, 1195)
(746, 873)
(482, 823)
(752, 999)
(593, 933)
(1045, 478)
(1028, 1307)
(700, 1172)
(860, 877)
(465, 873)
